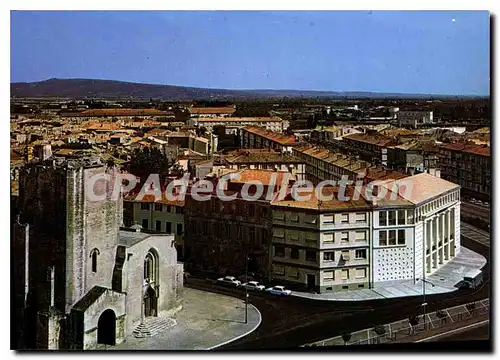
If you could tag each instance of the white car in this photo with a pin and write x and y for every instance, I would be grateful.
(229, 280)
(254, 285)
(279, 290)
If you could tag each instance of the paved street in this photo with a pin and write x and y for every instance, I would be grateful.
(401, 331)
(481, 332)
(474, 233)
(293, 321)
(206, 320)
(473, 211)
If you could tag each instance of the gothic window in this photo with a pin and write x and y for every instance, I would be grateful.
(93, 256)
(151, 267)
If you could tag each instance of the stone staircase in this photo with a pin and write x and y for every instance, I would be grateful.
(152, 326)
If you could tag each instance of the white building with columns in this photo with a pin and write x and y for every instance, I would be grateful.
(431, 230)
(334, 245)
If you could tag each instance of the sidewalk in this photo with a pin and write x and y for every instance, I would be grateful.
(402, 332)
(206, 321)
(444, 280)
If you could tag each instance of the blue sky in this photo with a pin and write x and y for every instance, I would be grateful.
(440, 52)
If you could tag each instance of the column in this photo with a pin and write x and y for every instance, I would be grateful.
(442, 235)
(446, 246)
(424, 246)
(428, 242)
(434, 242)
(452, 231)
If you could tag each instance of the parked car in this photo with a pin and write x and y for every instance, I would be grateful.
(279, 290)
(229, 280)
(254, 286)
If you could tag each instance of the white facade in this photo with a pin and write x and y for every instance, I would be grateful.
(415, 118)
(355, 248)
(393, 244)
(232, 124)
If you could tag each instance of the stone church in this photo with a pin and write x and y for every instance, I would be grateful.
(80, 280)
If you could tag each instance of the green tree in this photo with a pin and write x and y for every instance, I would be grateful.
(149, 161)
(413, 320)
(346, 336)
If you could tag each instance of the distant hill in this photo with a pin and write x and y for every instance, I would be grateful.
(120, 90)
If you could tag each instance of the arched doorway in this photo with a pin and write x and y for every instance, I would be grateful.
(150, 302)
(106, 328)
(151, 277)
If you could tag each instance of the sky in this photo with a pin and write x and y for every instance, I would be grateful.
(431, 52)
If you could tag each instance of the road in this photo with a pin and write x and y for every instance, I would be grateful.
(481, 332)
(471, 210)
(292, 321)
(474, 233)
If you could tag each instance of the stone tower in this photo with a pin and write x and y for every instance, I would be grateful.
(72, 236)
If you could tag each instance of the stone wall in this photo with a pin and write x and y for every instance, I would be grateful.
(101, 221)
(168, 270)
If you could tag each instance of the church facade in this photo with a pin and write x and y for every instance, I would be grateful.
(80, 280)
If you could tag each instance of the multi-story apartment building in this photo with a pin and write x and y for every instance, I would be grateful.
(321, 246)
(415, 118)
(121, 114)
(254, 137)
(331, 133)
(233, 124)
(188, 140)
(336, 245)
(264, 159)
(212, 112)
(323, 164)
(161, 216)
(468, 165)
(221, 235)
(369, 147)
(414, 157)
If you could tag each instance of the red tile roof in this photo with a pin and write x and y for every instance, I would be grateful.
(472, 148)
(118, 112)
(104, 126)
(213, 110)
(241, 119)
(378, 139)
(358, 201)
(270, 135)
(264, 176)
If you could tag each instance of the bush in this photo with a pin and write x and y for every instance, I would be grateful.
(379, 329)
(471, 306)
(441, 314)
(346, 336)
(413, 320)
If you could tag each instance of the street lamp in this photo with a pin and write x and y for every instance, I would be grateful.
(424, 304)
(246, 289)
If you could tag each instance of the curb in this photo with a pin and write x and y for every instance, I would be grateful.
(242, 335)
(369, 299)
(452, 331)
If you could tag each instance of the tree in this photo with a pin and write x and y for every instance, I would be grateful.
(346, 336)
(442, 315)
(148, 161)
(413, 320)
(471, 307)
(379, 330)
